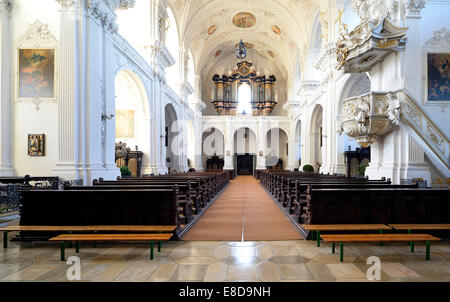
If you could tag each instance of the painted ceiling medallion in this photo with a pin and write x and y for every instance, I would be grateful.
(244, 20)
(276, 29)
(212, 29)
(271, 53)
(217, 53)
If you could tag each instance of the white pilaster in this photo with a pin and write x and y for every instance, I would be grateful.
(6, 167)
(69, 92)
(229, 147)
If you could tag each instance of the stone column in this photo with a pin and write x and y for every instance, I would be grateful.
(6, 167)
(261, 146)
(292, 142)
(229, 146)
(413, 51)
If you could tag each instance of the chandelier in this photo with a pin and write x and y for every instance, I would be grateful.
(241, 51)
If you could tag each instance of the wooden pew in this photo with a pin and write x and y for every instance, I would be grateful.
(377, 205)
(184, 201)
(296, 200)
(98, 207)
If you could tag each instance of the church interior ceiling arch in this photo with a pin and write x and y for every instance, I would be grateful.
(274, 33)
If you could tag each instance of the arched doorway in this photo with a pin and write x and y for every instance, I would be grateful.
(132, 122)
(316, 138)
(213, 149)
(172, 43)
(276, 149)
(298, 145)
(173, 140)
(245, 143)
(190, 144)
(357, 84)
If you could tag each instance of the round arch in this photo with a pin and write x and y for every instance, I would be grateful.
(245, 141)
(190, 144)
(132, 118)
(172, 139)
(355, 85)
(276, 145)
(172, 43)
(315, 44)
(316, 131)
(213, 144)
(298, 144)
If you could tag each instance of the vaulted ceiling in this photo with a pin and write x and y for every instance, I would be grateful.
(281, 29)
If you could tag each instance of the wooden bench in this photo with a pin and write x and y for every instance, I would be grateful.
(91, 228)
(344, 227)
(378, 238)
(420, 226)
(109, 237)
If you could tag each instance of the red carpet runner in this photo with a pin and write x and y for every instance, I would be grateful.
(244, 212)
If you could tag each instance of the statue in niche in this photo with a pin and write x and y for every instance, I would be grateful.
(393, 110)
(164, 24)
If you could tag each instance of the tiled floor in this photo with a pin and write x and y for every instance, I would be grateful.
(295, 260)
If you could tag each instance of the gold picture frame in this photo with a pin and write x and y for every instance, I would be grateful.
(36, 144)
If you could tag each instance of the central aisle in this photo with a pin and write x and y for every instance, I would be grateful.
(244, 212)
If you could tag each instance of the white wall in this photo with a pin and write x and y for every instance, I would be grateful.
(26, 119)
(435, 16)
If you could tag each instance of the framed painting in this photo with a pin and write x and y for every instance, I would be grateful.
(438, 77)
(36, 144)
(125, 124)
(36, 73)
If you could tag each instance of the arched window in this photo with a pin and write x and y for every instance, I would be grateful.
(244, 99)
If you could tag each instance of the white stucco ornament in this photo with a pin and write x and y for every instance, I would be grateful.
(370, 116)
(369, 43)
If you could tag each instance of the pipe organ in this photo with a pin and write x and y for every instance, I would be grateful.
(226, 90)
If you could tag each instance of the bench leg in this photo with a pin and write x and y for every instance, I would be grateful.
(333, 245)
(427, 244)
(159, 244)
(341, 252)
(151, 250)
(70, 242)
(5, 239)
(381, 232)
(95, 242)
(318, 238)
(63, 251)
(411, 244)
(77, 247)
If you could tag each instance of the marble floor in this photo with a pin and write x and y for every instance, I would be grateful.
(295, 260)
